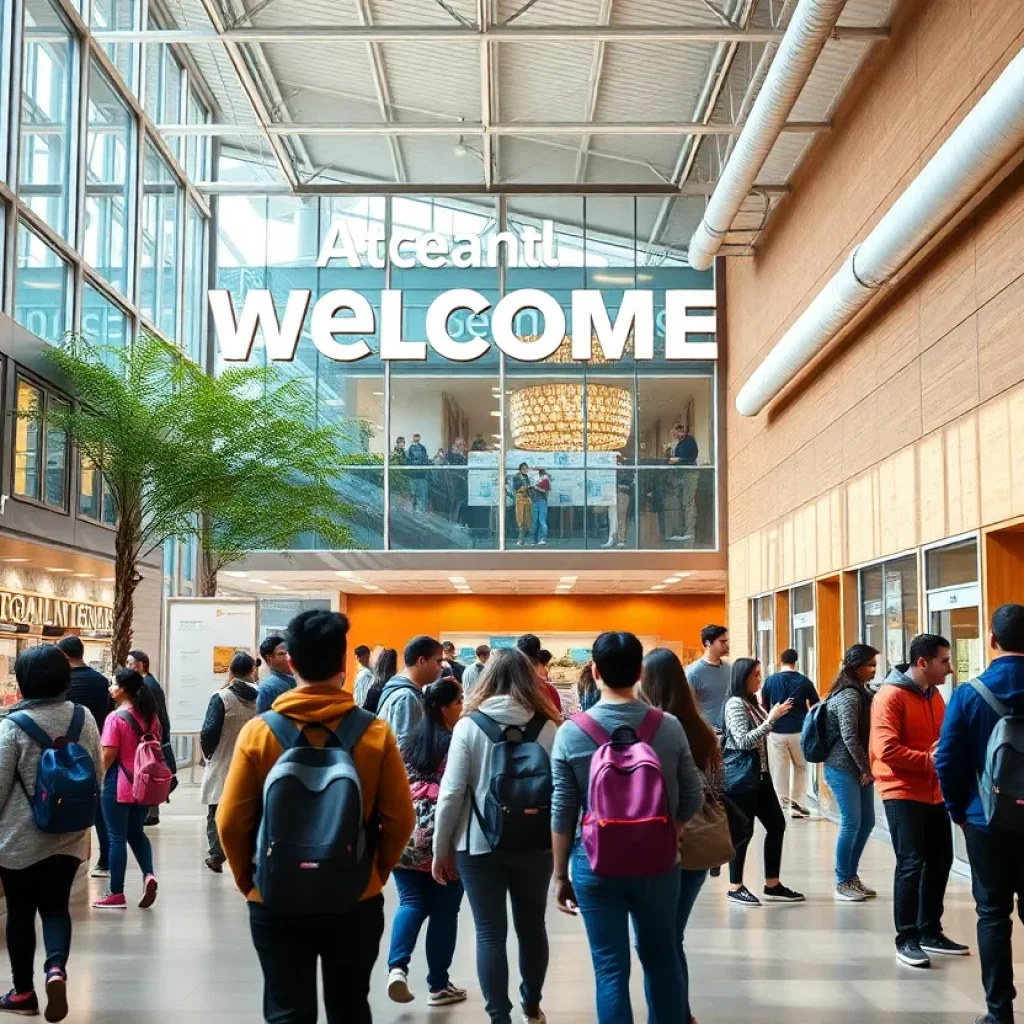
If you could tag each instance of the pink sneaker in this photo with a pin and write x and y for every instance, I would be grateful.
(112, 901)
(149, 888)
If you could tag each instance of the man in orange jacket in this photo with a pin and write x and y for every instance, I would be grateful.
(289, 945)
(906, 718)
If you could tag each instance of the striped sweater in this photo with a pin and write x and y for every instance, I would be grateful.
(846, 750)
(746, 727)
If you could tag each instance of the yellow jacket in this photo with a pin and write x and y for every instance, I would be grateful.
(377, 759)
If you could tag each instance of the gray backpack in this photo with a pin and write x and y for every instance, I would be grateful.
(1001, 784)
(314, 852)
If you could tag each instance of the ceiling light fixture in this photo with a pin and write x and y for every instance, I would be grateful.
(51, 568)
(15, 559)
(345, 574)
(83, 575)
(456, 579)
(265, 583)
(658, 586)
(240, 575)
(277, 587)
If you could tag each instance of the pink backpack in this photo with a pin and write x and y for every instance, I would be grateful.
(151, 781)
(628, 830)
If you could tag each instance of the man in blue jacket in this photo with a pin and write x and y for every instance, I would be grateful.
(997, 857)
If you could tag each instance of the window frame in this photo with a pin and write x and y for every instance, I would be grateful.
(101, 495)
(47, 395)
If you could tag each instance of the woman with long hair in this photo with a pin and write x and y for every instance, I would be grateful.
(663, 685)
(588, 693)
(420, 897)
(38, 868)
(749, 785)
(847, 768)
(385, 668)
(229, 709)
(506, 703)
(136, 716)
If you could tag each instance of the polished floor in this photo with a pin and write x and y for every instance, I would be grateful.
(190, 961)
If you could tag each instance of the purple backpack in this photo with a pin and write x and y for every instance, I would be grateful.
(628, 830)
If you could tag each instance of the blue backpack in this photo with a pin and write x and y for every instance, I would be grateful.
(814, 735)
(67, 791)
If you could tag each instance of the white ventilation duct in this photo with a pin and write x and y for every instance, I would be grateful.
(982, 143)
(809, 29)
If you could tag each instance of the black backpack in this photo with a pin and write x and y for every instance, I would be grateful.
(314, 853)
(1001, 784)
(372, 699)
(516, 815)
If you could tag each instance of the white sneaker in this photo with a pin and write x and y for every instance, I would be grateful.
(535, 1020)
(847, 892)
(98, 872)
(447, 995)
(398, 987)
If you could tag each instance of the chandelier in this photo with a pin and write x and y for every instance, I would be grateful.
(549, 417)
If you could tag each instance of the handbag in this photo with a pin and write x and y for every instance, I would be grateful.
(707, 841)
(742, 769)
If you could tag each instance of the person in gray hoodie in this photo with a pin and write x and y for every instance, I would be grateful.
(401, 700)
(38, 868)
(508, 695)
(229, 709)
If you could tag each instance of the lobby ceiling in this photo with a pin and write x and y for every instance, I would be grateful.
(534, 99)
(453, 581)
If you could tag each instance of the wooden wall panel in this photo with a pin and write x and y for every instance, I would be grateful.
(911, 428)
(829, 630)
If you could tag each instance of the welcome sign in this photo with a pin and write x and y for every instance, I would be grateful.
(341, 319)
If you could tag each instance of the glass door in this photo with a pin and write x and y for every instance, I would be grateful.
(764, 633)
(802, 631)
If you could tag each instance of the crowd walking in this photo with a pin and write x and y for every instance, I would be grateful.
(614, 803)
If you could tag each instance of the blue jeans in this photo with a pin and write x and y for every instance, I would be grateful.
(607, 905)
(101, 835)
(540, 521)
(421, 899)
(492, 880)
(856, 820)
(124, 826)
(690, 884)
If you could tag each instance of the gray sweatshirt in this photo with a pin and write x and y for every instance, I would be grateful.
(574, 749)
(710, 684)
(21, 843)
(401, 707)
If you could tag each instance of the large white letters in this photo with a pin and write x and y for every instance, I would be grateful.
(554, 325)
(679, 322)
(326, 323)
(258, 312)
(437, 325)
(590, 319)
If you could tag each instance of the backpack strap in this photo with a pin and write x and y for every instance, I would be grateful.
(285, 731)
(128, 717)
(389, 691)
(490, 728)
(352, 727)
(990, 698)
(25, 723)
(586, 721)
(533, 728)
(74, 730)
(650, 725)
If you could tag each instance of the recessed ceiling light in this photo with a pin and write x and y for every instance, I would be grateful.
(496, 414)
(683, 575)
(673, 579)
(255, 579)
(345, 574)
(457, 579)
(51, 568)
(569, 579)
(239, 574)
(658, 586)
(83, 575)
(275, 587)
(15, 559)
(107, 579)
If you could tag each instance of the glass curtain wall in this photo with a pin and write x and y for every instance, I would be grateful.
(71, 129)
(496, 452)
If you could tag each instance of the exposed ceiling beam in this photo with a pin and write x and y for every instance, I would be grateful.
(604, 17)
(429, 188)
(488, 90)
(252, 93)
(453, 128)
(515, 33)
(381, 88)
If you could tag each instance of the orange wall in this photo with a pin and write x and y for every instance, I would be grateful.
(392, 621)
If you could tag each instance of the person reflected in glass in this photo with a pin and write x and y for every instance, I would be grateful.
(479, 444)
(458, 482)
(541, 490)
(398, 457)
(417, 456)
(684, 454)
(522, 496)
(618, 510)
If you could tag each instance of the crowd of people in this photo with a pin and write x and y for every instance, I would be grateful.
(615, 802)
